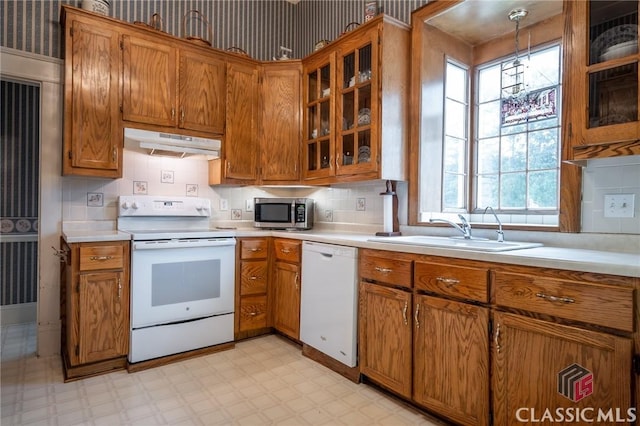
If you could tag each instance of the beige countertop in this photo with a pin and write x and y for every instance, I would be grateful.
(603, 262)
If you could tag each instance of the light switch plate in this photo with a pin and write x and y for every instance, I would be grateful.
(249, 205)
(619, 205)
(224, 205)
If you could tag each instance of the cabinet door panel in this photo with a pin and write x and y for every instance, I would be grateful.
(281, 120)
(451, 359)
(530, 355)
(241, 144)
(287, 299)
(95, 139)
(385, 336)
(202, 92)
(149, 81)
(103, 316)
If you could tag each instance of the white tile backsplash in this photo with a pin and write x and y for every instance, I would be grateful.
(614, 175)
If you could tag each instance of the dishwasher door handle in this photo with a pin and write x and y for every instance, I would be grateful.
(327, 255)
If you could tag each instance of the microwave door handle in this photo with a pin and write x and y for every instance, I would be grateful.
(293, 214)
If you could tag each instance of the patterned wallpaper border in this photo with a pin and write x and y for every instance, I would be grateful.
(257, 26)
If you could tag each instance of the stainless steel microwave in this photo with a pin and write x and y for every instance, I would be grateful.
(283, 213)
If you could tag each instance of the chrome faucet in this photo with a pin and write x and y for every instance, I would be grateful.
(465, 229)
(499, 231)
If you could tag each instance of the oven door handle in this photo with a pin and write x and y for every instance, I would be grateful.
(184, 243)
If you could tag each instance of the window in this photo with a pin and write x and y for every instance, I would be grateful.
(512, 116)
(518, 135)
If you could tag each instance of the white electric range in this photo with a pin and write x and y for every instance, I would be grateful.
(182, 275)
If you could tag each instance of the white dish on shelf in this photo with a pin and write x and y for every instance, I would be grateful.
(613, 37)
(620, 50)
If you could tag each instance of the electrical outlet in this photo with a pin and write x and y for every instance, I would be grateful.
(249, 206)
(224, 205)
(619, 205)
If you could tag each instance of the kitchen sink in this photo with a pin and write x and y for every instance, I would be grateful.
(456, 243)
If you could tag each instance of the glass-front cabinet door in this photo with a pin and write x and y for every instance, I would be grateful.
(604, 72)
(319, 155)
(357, 106)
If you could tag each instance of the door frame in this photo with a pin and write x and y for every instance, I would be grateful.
(48, 72)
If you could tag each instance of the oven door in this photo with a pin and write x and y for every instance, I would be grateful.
(181, 280)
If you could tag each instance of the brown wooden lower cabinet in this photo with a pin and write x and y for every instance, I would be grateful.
(252, 289)
(287, 286)
(451, 359)
(483, 343)
(95, 297)
(546, 369)
(385, 336)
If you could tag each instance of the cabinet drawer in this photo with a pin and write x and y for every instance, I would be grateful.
(386, 269)
(253, 312)
(253, 248)
(253, 277)
(94, 258)
(287, 250)
(456, 281)
(598, 304)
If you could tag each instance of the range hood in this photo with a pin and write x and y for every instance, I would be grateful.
(171, 145)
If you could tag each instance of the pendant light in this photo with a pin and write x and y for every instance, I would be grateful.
(513, 73)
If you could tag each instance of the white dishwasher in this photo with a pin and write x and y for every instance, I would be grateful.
(329, 300)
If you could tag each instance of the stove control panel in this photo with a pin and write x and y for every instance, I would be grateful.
(164, 206)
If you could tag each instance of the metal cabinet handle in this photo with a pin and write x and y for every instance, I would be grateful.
(554, 299)
(296, 281)
(114, 154)
(256, 249)
(415, 316)
(119, 288)
(404, 312)
(285, 251)
(182, 114)
(383, 270)
(61, 254)
(254, 277)
(449, 282)
(173, 113)
(496, 338)
(253, 314)
(101, 258)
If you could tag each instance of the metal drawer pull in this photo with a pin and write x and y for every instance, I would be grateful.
(101, 258)
(253, 314)
(256, 249)
(383, 270)
(497, 338)
(253, 277)
(415, 316)
(285, 251)
(404, 312)
(551, 298)
(449, 282)
(119, 288)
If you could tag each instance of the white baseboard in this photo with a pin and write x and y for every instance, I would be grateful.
(19, 313)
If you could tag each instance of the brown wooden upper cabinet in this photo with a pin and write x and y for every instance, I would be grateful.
(601, 78)
(356, 105)
(171, 86)
(93, 139)
(263, 118)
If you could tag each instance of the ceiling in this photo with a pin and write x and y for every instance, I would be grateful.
(477, 21)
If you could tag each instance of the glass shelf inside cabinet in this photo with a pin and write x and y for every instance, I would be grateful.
(613, 30)
(613, 96)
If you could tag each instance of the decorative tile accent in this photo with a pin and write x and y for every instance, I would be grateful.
(236, 214)
(95, 199)
(166, 176)
(139, 187)
(191, 190)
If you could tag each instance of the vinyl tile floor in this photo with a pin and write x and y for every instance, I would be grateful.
(262, 381)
